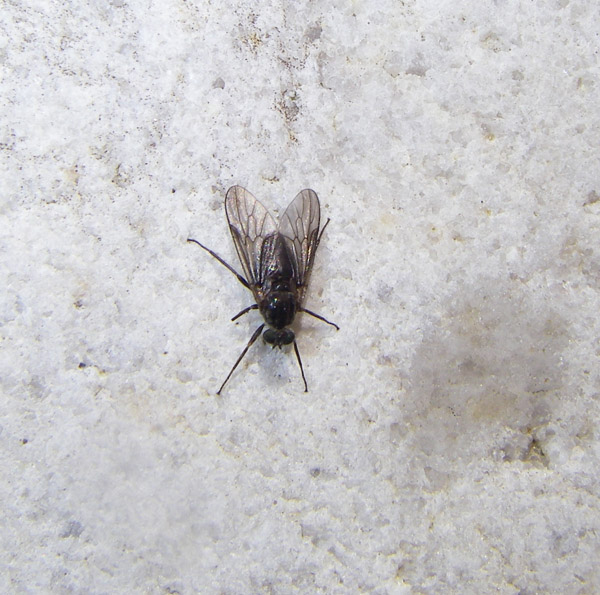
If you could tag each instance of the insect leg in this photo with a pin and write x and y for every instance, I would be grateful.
(245, 311)
(228, 266)
(320, 317)
(239, 359)
(300, 364)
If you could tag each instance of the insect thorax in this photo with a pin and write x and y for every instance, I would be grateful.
(279, 308)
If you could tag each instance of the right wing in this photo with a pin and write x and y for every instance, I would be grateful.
(253, 231)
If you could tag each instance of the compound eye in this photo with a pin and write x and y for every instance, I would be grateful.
(279, 338)
(270, 336)
(286, 336)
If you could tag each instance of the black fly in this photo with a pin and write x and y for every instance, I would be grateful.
(276, 259)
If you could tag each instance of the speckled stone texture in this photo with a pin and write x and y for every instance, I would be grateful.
(449, 442)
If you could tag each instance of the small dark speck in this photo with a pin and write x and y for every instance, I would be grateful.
(592, 198)
(24, 440)
(314, 32)
(315, 472)
(173, 190)
(218, 83)
(82, 365)
(417, 69)
(73, 529)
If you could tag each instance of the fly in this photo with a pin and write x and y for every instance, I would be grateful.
(277, 259)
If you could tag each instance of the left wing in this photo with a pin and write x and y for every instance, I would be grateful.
(300, 227)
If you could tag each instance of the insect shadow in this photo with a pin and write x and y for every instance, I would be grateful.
(277, 259)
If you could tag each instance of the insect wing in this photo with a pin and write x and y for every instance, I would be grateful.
(253, 231)
(300, 227)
